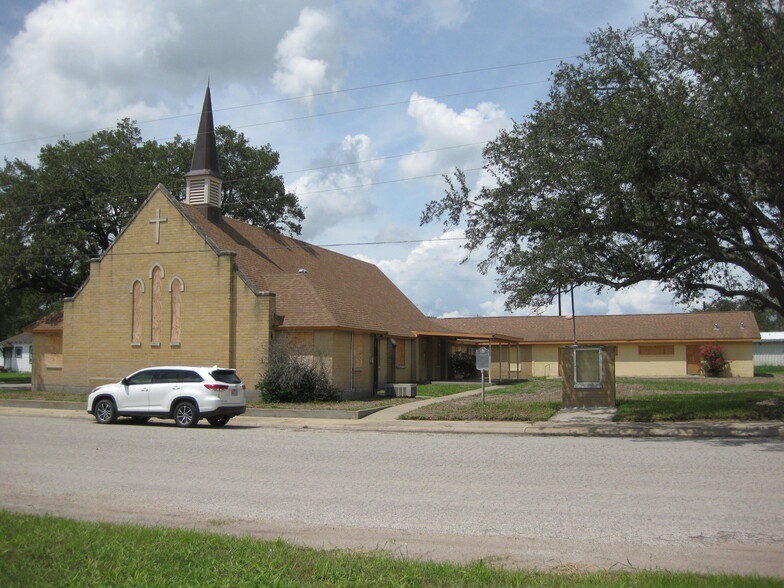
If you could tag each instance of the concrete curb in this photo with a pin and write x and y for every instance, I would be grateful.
(55, 404)
(312, 414)
(353, 422)
(256, 412)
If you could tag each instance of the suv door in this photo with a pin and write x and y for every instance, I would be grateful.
(168, 384)
(135, 393)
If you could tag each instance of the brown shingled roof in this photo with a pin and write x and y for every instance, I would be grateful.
(697, 326)
(51, 322)
(334, 291)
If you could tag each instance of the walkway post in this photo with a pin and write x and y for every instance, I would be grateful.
(483, 364)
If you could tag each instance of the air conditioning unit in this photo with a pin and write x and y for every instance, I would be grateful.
(401, 390)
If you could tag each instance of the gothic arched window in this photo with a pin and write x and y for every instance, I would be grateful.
(137, 309)
(155, 312)
(176, 287)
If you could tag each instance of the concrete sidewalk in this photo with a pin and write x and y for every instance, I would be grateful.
(587, 422)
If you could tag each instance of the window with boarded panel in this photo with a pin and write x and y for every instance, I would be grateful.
(301, 343)
(358, 352)
(656, 349)
(400, 354)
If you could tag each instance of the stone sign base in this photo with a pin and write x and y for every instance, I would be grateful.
(597, 388)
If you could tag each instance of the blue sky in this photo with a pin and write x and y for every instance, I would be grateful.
(368, 102)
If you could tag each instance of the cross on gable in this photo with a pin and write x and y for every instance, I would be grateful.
(158, 220)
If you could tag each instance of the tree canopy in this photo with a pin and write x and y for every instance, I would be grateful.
(57, 215)
(657, 156)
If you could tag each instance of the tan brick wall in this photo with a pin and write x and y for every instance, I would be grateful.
(253, 333)
(742, 357)
(544, 361)
(47, 370)
(223, 321)
(629, 362)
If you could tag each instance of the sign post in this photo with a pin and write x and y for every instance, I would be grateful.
(483, 365)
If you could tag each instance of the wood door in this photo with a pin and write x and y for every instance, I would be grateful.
(693, 360)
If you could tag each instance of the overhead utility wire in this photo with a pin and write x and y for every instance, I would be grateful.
(339, 189)
(135, 194)
(307, 96)
(271, 248)
(398, 103)
(130, 195)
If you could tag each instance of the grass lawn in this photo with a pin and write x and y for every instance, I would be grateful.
(14, 378)
(50, 551)
(641, 400)
(768, 370)
(732, 406)
(43, 395)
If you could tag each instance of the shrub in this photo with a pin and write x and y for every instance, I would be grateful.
(296, 378)
(463, 364)
(713, 362)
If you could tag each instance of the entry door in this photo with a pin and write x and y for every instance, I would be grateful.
(693, 360)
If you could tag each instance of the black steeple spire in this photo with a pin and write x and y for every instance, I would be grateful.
(203, 183)
(205, 152)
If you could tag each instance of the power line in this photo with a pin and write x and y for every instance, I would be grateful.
(325, 190)
(304, 97)
(88, 256)
(388, 104)
(129, 195)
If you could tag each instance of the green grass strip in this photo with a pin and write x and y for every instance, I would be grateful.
(51, 551)
(736, 406)
(702, 385)
(14, 378)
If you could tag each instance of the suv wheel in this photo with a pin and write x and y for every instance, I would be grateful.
(105, 411)
(185, 414)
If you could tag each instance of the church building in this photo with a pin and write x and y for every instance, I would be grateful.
(182, 284)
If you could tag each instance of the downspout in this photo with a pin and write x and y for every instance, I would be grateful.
(375, 364)
(351, 365)
(392, 361)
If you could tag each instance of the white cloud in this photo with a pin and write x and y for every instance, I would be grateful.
(433, 277)
(334, 191)
(444, 14)
(440, 126)
(78, 65)
(642, 298)
(302, 56)
(435, 14)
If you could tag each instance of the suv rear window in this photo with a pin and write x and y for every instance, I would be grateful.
(226, 376)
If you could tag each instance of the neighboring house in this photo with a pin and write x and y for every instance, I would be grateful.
(18, 353)
(770, 350)
(184, 285)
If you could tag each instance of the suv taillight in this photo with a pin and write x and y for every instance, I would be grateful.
(216, 386)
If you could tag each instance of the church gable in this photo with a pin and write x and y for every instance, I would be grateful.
(161, 294)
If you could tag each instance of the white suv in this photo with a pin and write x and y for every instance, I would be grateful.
(185, 394)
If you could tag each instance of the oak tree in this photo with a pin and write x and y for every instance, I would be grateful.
(657, 156)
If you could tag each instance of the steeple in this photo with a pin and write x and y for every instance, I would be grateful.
(203, 182)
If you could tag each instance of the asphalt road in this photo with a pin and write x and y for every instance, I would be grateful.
(544, 502)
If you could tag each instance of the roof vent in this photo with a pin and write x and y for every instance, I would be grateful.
(302, 271)
(743, 325)
(715, 326)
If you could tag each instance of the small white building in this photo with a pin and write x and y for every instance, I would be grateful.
(18, 353)
(770, 350)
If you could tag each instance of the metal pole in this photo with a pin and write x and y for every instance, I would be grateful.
(574, 318)
(483, 387)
